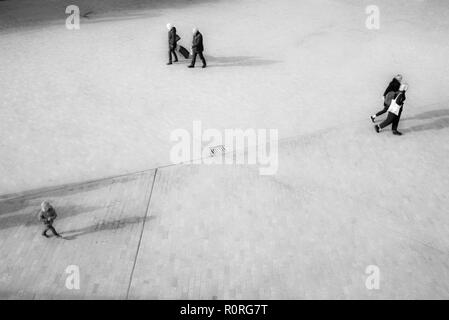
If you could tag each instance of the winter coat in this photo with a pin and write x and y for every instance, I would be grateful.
(197, 43)
(393, 95)
(394, 85)
(173, 38)
(47, 217)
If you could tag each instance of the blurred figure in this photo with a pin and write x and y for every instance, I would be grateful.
(394, 110)
(48, 215)
(393, 86)
(173, 39)
(197, 48)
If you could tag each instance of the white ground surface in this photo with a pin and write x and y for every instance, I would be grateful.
(100, 101)
(81, 105)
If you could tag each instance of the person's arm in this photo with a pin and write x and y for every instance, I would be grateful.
(52, 214)
(392, 86)
(170, 37)
(388, 98)
(401, 99)
(195, 41)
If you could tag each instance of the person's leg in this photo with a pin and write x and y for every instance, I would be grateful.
(381, 112)
(390, 118)
(169, 56)
(52, 229)
(174, 54)
(394, 127)
(192, 64)
(202, 59)
(44, 233)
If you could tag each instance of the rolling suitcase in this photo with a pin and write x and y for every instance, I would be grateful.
(184, 52)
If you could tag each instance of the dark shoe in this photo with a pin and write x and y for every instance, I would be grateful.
(44, 235)
(377, 128)
(176, 60)
(396, 132)
(191, 66)
(169, 63)
(204, 66)
(372, 118)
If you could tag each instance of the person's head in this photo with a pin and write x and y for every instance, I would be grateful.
(403, 87)
(169, 26)
(398, 77)
(195, 30)
(45, 205)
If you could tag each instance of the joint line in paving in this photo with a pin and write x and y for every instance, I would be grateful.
(141, 235)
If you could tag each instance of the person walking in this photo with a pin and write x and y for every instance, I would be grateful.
(173, 39)
(394, 111)
(197, 48)
(393, 86)
(48, 215)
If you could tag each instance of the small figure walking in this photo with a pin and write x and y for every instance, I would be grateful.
(197, 48)
(173, 39)
(393, 86)
(394, 110)
(48, 215)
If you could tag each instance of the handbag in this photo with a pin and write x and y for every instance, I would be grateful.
(394, 107)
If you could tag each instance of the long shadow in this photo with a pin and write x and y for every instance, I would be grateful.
(440, 116)
(15, 14)
(33, 198)
(237, 61)
(94, 20)
(429, 115)
(434, 125)
(31, 217)
(103, 226)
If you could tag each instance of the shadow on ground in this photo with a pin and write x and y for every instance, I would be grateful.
(103, 226)
(24, 210)
(33, 198)
(237, 61)
(116, 18)
(49, 12)
(31, 216)
(440, 120)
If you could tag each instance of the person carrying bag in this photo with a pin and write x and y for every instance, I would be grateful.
(394, 111)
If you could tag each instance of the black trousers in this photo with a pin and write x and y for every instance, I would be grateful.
(171, 51)
(201, 57)
(381, 112)
(51, 228)
(391, 119)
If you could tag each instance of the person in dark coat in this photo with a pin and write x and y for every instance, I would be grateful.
(197, 48)
(393, 86)
(48, 215)
(173, 38)
(394, 115)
